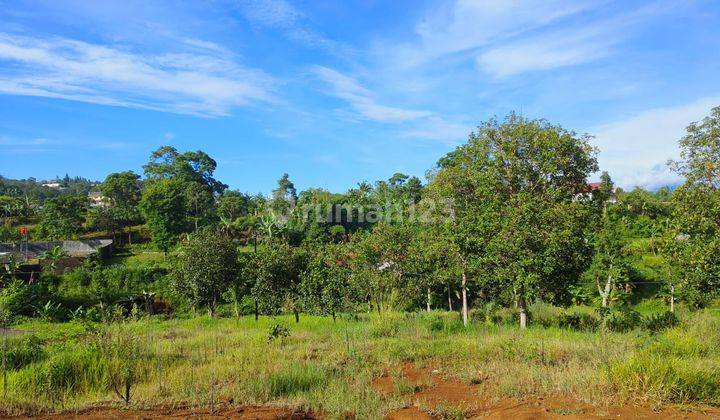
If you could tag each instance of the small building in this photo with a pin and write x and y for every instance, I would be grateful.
(97, 199)
(591, 188)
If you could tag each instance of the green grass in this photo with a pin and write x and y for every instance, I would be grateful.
(329, 366)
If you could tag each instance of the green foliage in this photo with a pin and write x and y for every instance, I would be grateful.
(276, 268)
(580, 318)
(621, 320)
(661, 321)
(278, 331)
(88, 287)
(206, 265)
(20, 351)
(62, 218)
(545, 315)
(668, 379)
(67, 371)
(163, 207)
(291, 381)
(125, 358)
(23, 298)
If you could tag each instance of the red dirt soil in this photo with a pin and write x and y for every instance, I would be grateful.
(229, 412)
(435, 393)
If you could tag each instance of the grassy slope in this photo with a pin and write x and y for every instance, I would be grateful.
(329, 366)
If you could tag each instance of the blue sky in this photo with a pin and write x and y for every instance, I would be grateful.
(338, 92)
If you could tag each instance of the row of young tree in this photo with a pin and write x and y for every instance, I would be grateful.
(508, 217)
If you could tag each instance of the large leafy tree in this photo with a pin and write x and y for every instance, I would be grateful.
(513, 219)
(63, 217)
(693, 242)
(206, 265)
(186, 188)
(195, 172)
(163, 207)
(122, 191)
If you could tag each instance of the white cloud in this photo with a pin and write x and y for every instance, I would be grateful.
(281, 15)
(467, 26)
(198, 83)
(436, 128)
(559, 49)
(362, 100)
(634, 150)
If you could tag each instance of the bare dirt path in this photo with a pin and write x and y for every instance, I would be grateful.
(435, 396)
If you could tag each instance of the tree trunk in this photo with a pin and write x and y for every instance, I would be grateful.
(297, 315)
(449, 298)
(129, 236)
(256, 310)
(605, 293)
(464, 298)
(523, 312)
(428, 300)
(672, 298)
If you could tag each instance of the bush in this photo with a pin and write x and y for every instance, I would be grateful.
(544, 314)
(18, 297)
(622, 320)
(580, 318)
(385, 326)
(20, 351)
(278, 331)
(442, 321)
(661, 321)
(509, 316)
(88, 286)
(125, 361)
(668, 379)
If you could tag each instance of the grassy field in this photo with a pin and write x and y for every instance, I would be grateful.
(328, 367)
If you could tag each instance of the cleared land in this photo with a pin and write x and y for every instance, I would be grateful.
(394, 366)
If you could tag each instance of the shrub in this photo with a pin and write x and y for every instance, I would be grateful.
(544, 314)
(125, 361)
(580, 318)
(20, 351)
(18, 297)
(661, 321)
(506, 316)
(442, 321)
(88, 286)
(622, 320)
(667, 379)
(278, 330)
(385, 326)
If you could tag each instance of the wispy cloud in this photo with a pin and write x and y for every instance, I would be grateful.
(436, 128)
(465, 26)
(558, 49)
(283, 16)
(634, 150)
(362, 100)
(200, 82)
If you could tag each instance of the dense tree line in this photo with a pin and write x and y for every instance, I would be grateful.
(507, 217)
